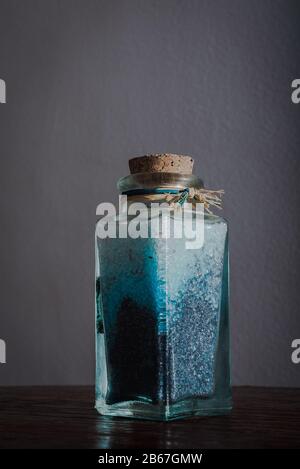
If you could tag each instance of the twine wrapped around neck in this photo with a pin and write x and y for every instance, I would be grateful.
(176, 198)
(204, 196)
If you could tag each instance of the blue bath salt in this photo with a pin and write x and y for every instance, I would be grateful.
(160, 313)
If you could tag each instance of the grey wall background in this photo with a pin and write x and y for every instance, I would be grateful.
(92, 83)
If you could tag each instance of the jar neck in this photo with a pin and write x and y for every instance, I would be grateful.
(157, 183)
(158, 195)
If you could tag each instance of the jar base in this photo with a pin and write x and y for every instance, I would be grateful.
(187, 408)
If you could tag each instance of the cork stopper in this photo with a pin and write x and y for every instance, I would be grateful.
(161, 163)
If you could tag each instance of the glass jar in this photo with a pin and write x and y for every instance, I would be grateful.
(162, 326)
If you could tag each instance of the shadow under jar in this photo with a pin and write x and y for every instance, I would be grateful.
(162, 326)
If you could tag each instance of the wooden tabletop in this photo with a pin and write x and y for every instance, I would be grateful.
(64, 417)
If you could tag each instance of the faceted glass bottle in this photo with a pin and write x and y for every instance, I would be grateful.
(162, 326)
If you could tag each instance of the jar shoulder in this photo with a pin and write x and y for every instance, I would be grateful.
(212, 219)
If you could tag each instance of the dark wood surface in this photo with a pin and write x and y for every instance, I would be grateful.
(64, 417)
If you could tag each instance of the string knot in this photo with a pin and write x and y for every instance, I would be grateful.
(206, 197)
